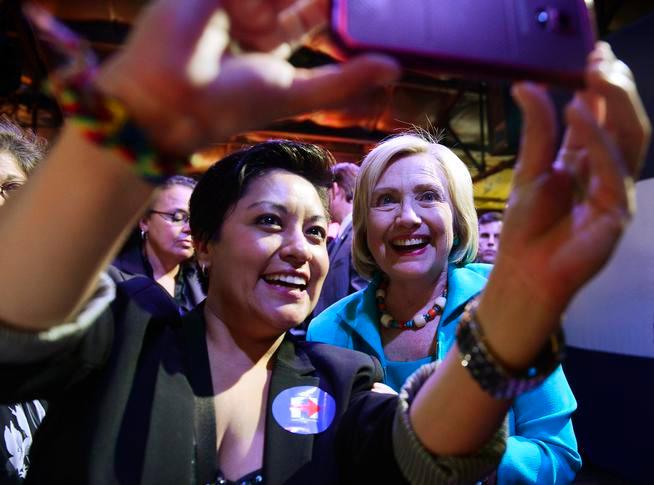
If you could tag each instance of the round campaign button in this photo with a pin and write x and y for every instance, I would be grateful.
(304, 410)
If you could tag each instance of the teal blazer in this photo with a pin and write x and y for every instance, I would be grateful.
(542, 447)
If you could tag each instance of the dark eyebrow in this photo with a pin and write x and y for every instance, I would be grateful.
(279, 207)
(283, 210)
(319, 218)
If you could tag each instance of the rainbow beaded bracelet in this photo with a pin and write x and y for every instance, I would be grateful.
(105, 121)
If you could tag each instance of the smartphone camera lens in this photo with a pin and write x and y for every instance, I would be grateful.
(552, 19)
(542, 17)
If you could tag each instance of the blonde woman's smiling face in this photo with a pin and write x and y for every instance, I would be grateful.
(410, 221)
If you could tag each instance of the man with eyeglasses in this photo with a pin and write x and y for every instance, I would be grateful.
(162, 250)
(20, 151)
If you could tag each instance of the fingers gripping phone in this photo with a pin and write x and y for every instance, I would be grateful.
(543, 40)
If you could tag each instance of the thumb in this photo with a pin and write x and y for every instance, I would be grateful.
(538, 132)
(335, 84)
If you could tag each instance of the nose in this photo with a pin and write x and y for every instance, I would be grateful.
(295, 248)
(408, 216)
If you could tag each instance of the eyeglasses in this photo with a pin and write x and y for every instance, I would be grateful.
(179, 217)
(7, 188)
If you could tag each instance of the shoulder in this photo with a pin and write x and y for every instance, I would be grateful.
(338, 360)
(481, 269)
(117, 274)
(145, 293)
(468, 279)
(332, 322)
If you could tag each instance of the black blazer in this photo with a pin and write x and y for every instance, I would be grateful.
(131, 262)
(342, 279)
(132, 403)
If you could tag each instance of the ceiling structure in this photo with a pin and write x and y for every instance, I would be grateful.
(476, 118)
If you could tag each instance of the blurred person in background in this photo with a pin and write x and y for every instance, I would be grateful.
(164, 251)
(490, 227)
(342, 279)
(20, 152)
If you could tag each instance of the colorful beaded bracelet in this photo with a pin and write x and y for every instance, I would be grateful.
(105, 121)
(491, 375)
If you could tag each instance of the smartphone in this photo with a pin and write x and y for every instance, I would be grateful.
(542, 40)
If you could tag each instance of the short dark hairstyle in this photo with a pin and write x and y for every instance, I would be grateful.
(492, 216)
(24, 146)
(227, 180)
(345, 176)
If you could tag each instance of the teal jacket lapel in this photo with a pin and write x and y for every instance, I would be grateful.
(464, 283)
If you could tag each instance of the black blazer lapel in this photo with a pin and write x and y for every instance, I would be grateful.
(183, 410)
(170, 448)
(285, 452)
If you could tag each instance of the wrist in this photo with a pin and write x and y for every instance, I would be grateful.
(489, 369)
(517, 316)
(106, 121)
(151, 111)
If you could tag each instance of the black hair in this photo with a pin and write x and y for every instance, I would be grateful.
(228, 180)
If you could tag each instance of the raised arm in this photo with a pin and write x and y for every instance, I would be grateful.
(561, 226)
(184, 90)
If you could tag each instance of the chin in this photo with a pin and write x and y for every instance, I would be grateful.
(411, 272)
(287, 319)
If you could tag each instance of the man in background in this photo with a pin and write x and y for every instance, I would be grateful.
(490, 226)
(342, 279)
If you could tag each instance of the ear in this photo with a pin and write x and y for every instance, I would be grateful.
(143, 224)
(203, 252)
(331, 191)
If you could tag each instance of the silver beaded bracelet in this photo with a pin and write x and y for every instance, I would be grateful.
(491, 375)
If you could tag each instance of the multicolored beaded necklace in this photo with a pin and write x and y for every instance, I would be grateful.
(418, 321)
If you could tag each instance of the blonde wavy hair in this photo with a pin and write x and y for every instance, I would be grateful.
(459, 185)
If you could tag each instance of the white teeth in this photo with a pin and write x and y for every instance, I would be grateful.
(284, 278)
(410, 242)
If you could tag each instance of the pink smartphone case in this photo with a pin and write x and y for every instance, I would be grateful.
(544, 40)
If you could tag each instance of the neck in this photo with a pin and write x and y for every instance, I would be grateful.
(235, 344)
(162, 267)
(343, 213)
(406, 298)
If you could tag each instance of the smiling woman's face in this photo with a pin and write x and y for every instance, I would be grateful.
(269, 262)
(410, 222)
